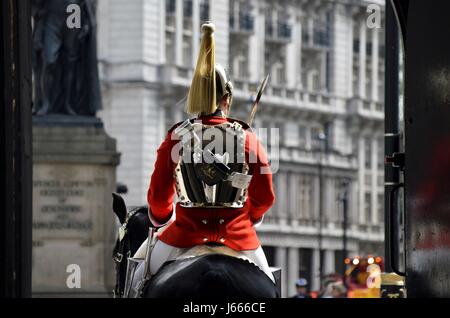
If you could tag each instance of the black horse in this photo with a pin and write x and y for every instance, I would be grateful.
(206, 276)
(133, 232)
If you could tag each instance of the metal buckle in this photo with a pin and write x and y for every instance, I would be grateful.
(240, 180)
(123, 231)
(236, 126)
(118, 257)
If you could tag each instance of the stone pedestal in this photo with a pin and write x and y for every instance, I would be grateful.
(74, 173)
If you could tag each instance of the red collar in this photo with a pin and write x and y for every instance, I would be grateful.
(213, 119)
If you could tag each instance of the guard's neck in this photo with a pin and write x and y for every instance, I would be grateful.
(218, 113)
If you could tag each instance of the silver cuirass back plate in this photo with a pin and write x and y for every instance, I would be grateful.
(212, 171)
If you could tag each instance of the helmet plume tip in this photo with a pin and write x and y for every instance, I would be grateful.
(208, 28)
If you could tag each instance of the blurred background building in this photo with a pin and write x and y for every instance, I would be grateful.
(325, 96)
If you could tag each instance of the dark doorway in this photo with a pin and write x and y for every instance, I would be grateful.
(305, 262)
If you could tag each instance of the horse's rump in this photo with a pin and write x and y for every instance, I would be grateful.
(210, 276)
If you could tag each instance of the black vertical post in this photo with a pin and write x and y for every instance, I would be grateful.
(391, 122)
(344, 231)
(323, 139)
(320, 217)
(15, 149)
(343, 197)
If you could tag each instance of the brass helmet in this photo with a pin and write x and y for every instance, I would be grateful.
(223, 83)
(210, 81)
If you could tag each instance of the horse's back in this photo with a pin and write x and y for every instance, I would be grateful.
(210, 276)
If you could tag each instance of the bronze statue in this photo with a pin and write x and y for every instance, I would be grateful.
(65, 59)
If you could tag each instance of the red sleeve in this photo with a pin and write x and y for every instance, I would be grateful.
(162, 185)
(260, 191)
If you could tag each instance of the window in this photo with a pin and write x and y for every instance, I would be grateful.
(204, 10)
(381, 47)
(322, 30)
(305, 262)
(369, 48)
(290, 136)
(337, 207)
(369, 83)
(304, 71)
(315, 80)
(318, 138)
(273, 213)
(243, 73)
(356, 81)
(328, 71)
(368, 207)
(368, 153)
(355, 145)
(356, 66)
(187, 51)
(356, 46)
(302, 132)
(381, 51)
(279, 70)
(305, 196)
(170, 47)
(380, 179)
(187, 8)
(380, 208)
(170, 15)
(368, 179)
(269, 21)
(239, 61)
(281, 194)
(380, 153)
(267, 62)
(356, 40)
(187, 16)
(275, 64)
(170, 6)
(305, 36)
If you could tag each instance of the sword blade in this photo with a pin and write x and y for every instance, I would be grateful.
(251, 117)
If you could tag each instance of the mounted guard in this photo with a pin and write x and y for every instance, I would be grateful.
(220, 173)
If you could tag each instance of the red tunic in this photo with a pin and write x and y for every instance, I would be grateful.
(232, 227)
